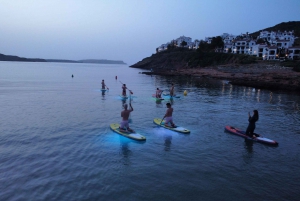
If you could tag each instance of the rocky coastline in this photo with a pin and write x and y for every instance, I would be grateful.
(258, 75)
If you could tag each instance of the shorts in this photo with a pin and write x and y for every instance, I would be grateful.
(168, 119)
(124, 124)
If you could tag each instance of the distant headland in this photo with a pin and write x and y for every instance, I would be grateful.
(4, 57)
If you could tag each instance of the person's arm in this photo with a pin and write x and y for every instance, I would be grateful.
(252, 119)
(131, 106)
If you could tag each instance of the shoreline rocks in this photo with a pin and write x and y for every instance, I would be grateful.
(261, 76)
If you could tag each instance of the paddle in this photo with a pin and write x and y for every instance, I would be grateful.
(127, 88)
(129, 119)
(161, 121)
(160, 93)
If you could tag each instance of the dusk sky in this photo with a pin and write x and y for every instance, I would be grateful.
(127, 30)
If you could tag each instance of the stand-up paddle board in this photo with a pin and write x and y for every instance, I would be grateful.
(104, 90)
(241, 133)
(154, 96)
(177, 129)
(135, 136)
(169, 97)
(123, 97)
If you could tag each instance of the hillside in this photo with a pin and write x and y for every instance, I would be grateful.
(284, 26)
(4, 57)
(182, 58)
(91, 61)
(101, 61)
(16, 58)
(238, 69)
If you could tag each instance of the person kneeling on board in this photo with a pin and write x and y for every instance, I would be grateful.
(251, 126)
(158, 93)
(124, 127)
(168, 116)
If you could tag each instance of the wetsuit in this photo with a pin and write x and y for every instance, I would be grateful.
(251, 126)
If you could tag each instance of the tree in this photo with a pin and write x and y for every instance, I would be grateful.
(204, 46)
(260, 40)
(183, 43)
(217, 42)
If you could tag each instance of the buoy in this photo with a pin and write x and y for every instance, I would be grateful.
(185, 93)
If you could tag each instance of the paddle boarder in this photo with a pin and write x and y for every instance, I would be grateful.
(124, 90)
(172, 90)
(168, 116)
(103, 85)
(158, 93)
(251, 125)
(125, 116)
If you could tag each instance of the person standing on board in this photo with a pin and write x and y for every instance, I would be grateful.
(172, 90)
(103, 85)
(124, 90)
(124, 127)
(251, 126)
(168, 116)
(158, 93)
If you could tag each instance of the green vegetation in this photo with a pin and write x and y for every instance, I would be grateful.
(183, 43)
(177, 58)
(203, 59)
(216, 42)
(292, 63)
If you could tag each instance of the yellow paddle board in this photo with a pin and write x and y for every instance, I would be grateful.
(135, 136)
(177, 129)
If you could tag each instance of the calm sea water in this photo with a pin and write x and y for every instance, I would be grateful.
(55, 141)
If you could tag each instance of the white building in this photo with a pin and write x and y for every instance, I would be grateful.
(242, 46)
(163, 47)
(277, 44)
(179, 40)
(208, 40)
(293, 53)
(274, 37)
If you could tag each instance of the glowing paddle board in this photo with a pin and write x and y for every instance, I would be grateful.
(135, 136)
(154, 96)
(123, 97)
(179, 129)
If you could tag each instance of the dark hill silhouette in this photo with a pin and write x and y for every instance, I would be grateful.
(4, 57)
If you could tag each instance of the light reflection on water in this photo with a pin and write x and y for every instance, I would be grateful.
(56, 144)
